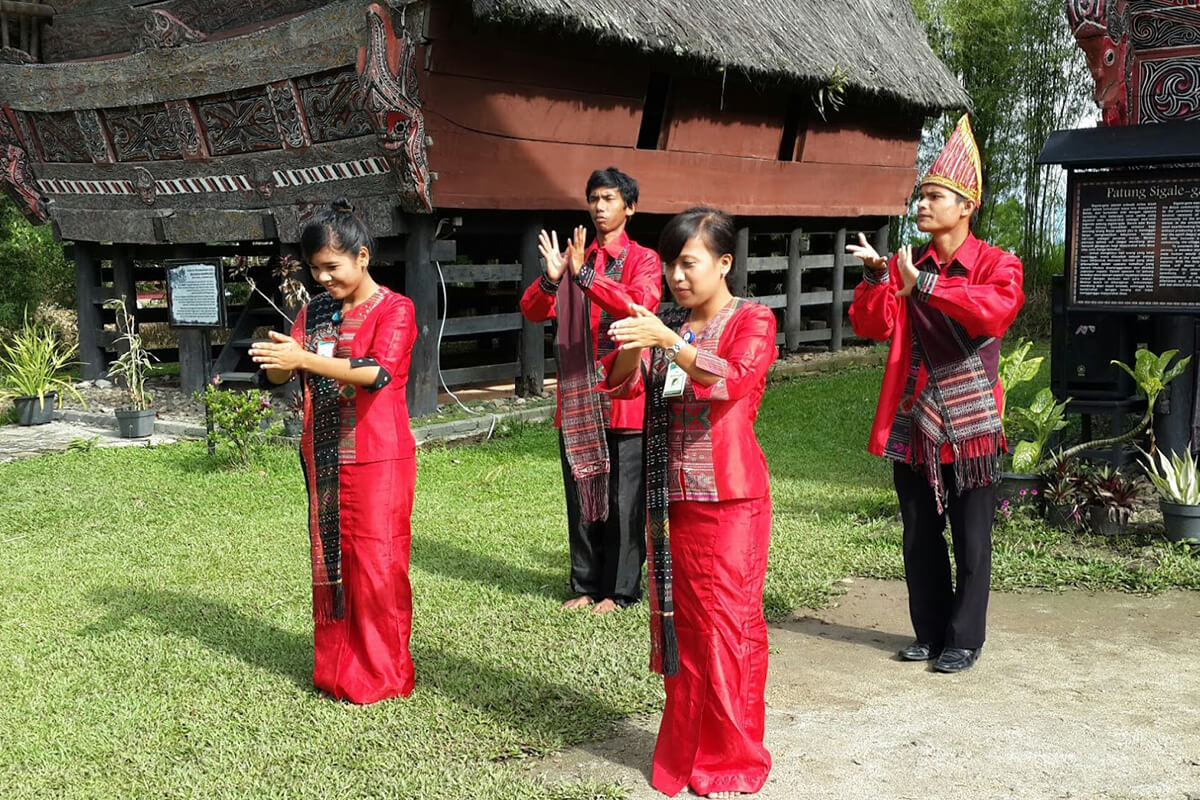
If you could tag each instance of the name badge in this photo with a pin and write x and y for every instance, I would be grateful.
(676, 380)
(326, 347)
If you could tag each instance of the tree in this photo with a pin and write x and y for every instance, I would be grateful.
(33, 269)
(1018, 61)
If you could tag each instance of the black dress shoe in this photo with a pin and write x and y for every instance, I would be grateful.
(919, 651)
(956, 659)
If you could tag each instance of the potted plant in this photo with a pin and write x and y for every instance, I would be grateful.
(1041, 418)
(1177, 480)
(137, 420)
(33, 371)
(1064, 495)
(1113, 496)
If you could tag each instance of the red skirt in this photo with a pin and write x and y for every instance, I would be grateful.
(711, 736)
(364, 656)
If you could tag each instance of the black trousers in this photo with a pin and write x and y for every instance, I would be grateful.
(944, 611)
(607, 557)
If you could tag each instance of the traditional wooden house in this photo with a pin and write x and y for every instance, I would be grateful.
(185, 129)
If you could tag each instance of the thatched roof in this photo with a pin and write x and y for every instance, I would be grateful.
(878, 44)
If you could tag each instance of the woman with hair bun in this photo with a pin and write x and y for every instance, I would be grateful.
(350, 348)
(703, 369)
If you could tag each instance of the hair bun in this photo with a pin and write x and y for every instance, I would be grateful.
(342, 206)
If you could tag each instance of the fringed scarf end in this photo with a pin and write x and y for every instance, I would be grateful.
(593, 496)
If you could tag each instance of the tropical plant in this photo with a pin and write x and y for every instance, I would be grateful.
(35, 363)
(1065, 485)
(1039, 420)
(1151, 375)
(1176, 478)
(1016, 368)
(131, 365)
(1117, 492)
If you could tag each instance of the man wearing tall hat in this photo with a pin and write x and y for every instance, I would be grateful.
(945, 306)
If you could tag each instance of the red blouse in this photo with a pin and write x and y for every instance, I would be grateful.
(373, 424)
(641, 283)
(714, 454)
(980, 288)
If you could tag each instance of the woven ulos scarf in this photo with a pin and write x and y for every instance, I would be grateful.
(584, 410)
(957, 406)
(321, 452)
(664, 647)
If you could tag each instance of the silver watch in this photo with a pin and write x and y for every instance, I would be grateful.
(673, 351)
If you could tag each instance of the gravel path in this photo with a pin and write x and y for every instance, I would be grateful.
(1076, 696)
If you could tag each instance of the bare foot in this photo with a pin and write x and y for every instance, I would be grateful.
(605, 606)
(583, 601)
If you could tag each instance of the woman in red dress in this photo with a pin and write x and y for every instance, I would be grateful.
(707, 485)
(350, 348)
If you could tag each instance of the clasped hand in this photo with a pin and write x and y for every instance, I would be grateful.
(641, 329)
(904, 263)
(281, 353)
(557, 263)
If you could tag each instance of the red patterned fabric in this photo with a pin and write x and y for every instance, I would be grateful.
(958, 167)
(980, 288)
(364, 657)
(640, 282)
(711, 735)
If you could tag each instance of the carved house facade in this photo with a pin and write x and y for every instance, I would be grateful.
(458, 128)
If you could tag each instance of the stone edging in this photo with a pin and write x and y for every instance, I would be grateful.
(425, 434)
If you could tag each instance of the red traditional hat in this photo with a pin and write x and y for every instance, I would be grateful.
(957, 167)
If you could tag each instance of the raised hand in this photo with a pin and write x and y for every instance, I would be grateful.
(867, 254)
(556, 261)
(577, 250)
(908, 272)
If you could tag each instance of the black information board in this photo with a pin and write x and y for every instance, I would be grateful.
(1133, 240)
(195, 293)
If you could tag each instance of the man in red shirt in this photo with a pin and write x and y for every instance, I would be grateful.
(585, 289)
(945, 306)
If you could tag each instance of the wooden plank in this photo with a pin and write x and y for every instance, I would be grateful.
(482, 273)
(793, 322)
(489, 373)
(421, 286)
(739, 280)
(850, 141)
(480, 171)
(772, 300)
(27, 9)
(805, 337)
(104, 28)
(484, 323)
(322, 39)
(708, 117)
(94, 225)
(213, 224)
(534, 112)
(87, 279)
(837, 297)
(195, 359)
(532, 375)
(767, 263)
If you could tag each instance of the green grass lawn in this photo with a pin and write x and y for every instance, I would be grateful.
(155, 637)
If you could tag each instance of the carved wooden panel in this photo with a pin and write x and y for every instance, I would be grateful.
(185, 122)
(331, 105)
(142, 133)
(239, 123)
(289, 118)
(95, 136)
(61, 139)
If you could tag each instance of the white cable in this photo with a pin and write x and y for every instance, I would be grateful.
(441, 333)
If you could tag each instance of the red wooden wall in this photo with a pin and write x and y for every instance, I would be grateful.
(519, 121)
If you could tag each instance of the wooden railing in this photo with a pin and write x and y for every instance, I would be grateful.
(21, 24)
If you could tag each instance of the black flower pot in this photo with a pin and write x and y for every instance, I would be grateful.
(135, 424)
(1104, 525)
(1181, 522)
(293, 427)
(1061, 515)
(34, 411)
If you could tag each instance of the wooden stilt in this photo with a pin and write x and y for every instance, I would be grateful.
(837, 305)
(793, 318)
(533, 334)
(421, 286)
(89, 296)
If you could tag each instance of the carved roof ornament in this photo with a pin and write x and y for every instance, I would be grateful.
(390, 96)
(12, 55)
(14, 171)
(161, 29)
(1144, 56)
